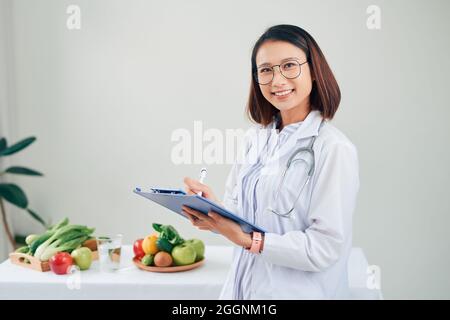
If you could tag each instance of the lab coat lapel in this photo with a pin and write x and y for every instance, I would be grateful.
(309, 128)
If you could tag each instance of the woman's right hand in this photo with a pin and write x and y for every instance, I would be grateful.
(193, 186)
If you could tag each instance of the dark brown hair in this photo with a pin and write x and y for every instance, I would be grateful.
(325, 94)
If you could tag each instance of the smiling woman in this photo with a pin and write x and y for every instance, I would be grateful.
(304, 78)
(302, 188)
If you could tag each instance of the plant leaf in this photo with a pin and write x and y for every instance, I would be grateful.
(2, 144)
(17, 146)
(23, 170)
(37, 217)
(20, 240)
(13, 194)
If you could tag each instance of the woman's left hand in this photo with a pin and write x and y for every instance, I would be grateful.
(215, 222)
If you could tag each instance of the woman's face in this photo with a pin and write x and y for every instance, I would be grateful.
(284, 94)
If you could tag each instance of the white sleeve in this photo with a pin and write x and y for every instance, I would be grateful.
(332, 204)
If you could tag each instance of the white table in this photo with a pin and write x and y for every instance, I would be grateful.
(129, 282)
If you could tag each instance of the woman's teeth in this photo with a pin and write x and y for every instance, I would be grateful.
(283, 93)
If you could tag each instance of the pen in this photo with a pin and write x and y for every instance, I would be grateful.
(203, 173)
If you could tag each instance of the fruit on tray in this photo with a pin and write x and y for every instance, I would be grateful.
(147, 260)
(163, 259)
(82, 257)
(199, 248)
(167, 248)
(137, 248)
(60, 263)
(149, 244)
(184, 254)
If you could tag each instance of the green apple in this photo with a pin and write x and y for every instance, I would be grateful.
(82, 257)
(183, 254)
(198, 246)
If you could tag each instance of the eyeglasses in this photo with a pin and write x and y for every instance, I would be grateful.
(290, 70)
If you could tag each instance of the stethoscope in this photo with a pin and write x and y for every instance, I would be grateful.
(291, 163)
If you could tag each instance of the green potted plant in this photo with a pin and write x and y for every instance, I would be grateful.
(13, 193)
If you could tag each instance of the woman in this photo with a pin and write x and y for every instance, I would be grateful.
(306, 209)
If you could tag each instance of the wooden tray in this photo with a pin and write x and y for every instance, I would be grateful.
(167, 269)
(27, 261)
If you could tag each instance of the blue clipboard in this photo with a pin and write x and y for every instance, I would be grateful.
(174, 199)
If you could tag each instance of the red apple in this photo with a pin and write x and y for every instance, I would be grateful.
(137, 249)
(60, 263)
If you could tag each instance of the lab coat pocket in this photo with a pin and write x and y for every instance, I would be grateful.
(262, 280)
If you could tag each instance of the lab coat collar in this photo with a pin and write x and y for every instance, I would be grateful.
(259, 139)
(309, 127)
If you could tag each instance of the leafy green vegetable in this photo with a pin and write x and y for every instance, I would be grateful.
(169, 233)
(164, 245)
(29, 240)
(61, 224)
(61, 246)
(61, 236)
(40, 240)
(23, 249)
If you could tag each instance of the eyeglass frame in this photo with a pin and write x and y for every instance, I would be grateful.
(255, 73)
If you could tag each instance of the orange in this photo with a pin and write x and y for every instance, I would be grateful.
(149, 244)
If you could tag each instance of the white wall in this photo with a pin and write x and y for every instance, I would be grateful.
(104, 100)
(5, 72)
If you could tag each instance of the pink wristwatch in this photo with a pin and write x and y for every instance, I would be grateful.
(256, 242)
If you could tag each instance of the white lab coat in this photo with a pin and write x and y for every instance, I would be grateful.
(305, 257)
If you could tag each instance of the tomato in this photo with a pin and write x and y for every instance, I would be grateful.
(61, 262)
(137, 248)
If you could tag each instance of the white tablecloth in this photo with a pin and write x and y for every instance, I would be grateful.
(129, 282)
